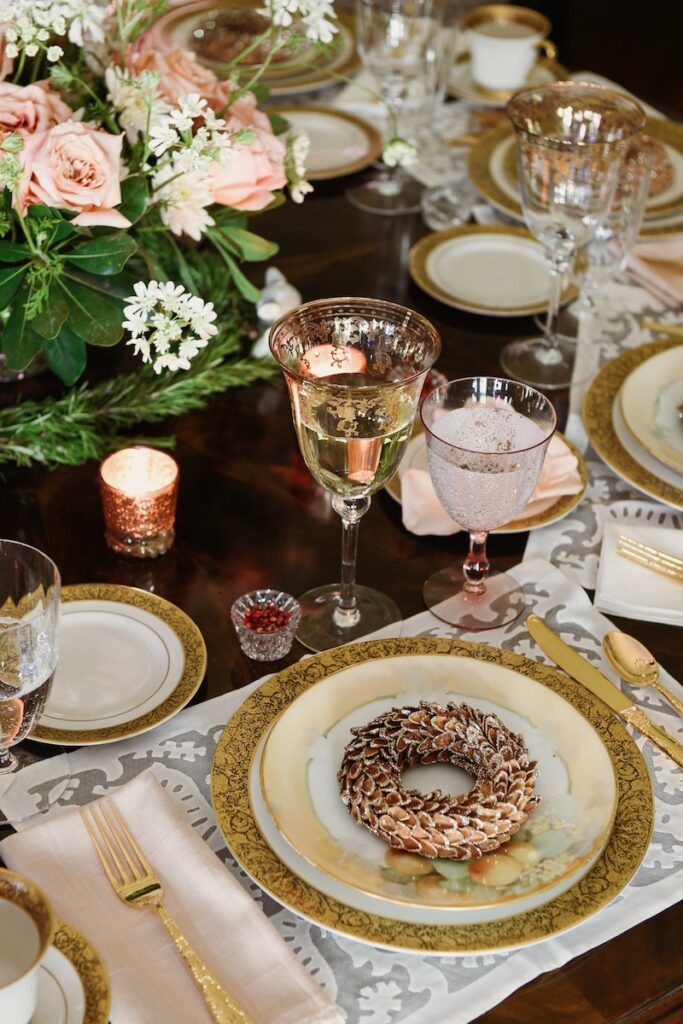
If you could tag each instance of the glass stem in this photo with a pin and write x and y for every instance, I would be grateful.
(351, 511)
(476, 566)
(8, 761)
(560, 251)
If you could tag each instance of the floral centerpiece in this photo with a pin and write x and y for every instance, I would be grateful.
(129, 172)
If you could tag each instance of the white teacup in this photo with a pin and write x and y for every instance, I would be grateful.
(26, 927)
(504, 42)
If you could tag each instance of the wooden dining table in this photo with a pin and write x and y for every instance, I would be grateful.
(250, 515)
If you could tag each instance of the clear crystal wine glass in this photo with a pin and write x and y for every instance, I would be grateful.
(29, 619)
(400, 45)
(354, 368)
(486, 442)
(571, 139)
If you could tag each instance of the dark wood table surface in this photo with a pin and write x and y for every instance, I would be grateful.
(250, 515)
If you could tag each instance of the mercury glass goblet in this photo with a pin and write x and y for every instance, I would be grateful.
(355, 369)
(571, 140)
(486, 442)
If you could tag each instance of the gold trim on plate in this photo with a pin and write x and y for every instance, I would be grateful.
(620, 859)
(420, 252)
(373, 136)
(189, 682)
(91, 971)
(598, 404)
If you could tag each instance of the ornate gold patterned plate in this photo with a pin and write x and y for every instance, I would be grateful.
(610, 438)
(73, 985)
(341, 143)
(650, 398)
(496, 271)
(128, 660)
(415, 457)
(230, 787)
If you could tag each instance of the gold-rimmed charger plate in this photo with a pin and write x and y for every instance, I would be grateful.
(128, 661)
(558, 510)
(341, 143)
(599, 404)
(488, 269)
(230, 781)
(92, 975)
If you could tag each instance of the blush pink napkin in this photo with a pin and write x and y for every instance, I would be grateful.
(658, 266)
(149, 981)
(424, 514)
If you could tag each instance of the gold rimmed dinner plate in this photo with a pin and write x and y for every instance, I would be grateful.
(239, 744)
(650, 399)
(341, 143)
(462, 85)
(73, 984)
(610, 437)
(128, 660)
(415, 457)
(215, 30)
(492, 270)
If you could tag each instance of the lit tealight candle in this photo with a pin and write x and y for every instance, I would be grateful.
(326, 360)
(139, 489)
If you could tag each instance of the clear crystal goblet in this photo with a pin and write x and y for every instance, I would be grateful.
(354, 368)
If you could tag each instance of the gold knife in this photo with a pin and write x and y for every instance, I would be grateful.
(579, 668)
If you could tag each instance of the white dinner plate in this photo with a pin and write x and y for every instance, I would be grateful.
(650, 399)
(128, 660)
(496, 271)
(341, 143)
(642, 456)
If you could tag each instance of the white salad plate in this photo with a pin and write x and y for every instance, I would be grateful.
(341, 143)
(651, 396)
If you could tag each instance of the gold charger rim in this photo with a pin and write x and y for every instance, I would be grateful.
(614, 868)
(479, 170)
(597, 408)
(194, 665)
(562, 507)
(421, 250)
(662, 453)
(373, 136)
(90, 969)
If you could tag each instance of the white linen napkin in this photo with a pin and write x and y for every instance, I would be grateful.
(624, 588)
(423, 513)
(149, 980)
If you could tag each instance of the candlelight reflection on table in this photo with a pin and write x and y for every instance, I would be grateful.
(139, 488)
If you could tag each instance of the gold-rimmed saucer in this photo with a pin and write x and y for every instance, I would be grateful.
(341, 143)
(462, 85)
(86, 997)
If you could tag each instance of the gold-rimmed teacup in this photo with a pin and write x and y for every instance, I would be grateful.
(26, 928)
(504, 42)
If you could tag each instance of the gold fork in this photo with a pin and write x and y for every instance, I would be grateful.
(136, 885)
(650, 558)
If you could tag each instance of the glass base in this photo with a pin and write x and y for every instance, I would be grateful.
(140, 547)
(534, 363)
(502, 601)
(388, 196)
(21, 798)
(318, 629)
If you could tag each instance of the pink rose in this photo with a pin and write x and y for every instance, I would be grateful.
(30, 108)
(251, 174)
(180, 73)
(76, 166)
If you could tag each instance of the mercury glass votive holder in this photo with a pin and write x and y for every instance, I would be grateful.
(139, 488)
(265, 641)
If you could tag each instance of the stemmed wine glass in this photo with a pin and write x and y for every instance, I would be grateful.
(355, 369)
(571, 140)
(486, 442)
(399, 43)
(29, 619)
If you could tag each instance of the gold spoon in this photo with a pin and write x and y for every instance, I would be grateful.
(634, 663)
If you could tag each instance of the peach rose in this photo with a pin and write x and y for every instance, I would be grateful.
(180, 73)
(30, 108)
(75, 166)
(252, 173)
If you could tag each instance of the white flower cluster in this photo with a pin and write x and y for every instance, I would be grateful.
(399, 152)
(168, 325)
(298, 145)
(315, 16)
(137, 100)
(30, 24)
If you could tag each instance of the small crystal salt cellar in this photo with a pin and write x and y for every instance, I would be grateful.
(266, 621)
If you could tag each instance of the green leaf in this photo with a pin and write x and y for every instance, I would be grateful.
(134, 198)
(242, 283)
(11, 252)
(260, 91)
(20, 342)
(53, 314)
(94, 317)
(10, 279)
(41, 212)
(61, 230)
(252, 248)
(278, 123)
(103, 255)
(66, 355)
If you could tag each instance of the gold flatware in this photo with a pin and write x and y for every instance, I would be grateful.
(580, 668)
(676, 330)
(650, 558)
(136, 885)
(634, 663)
